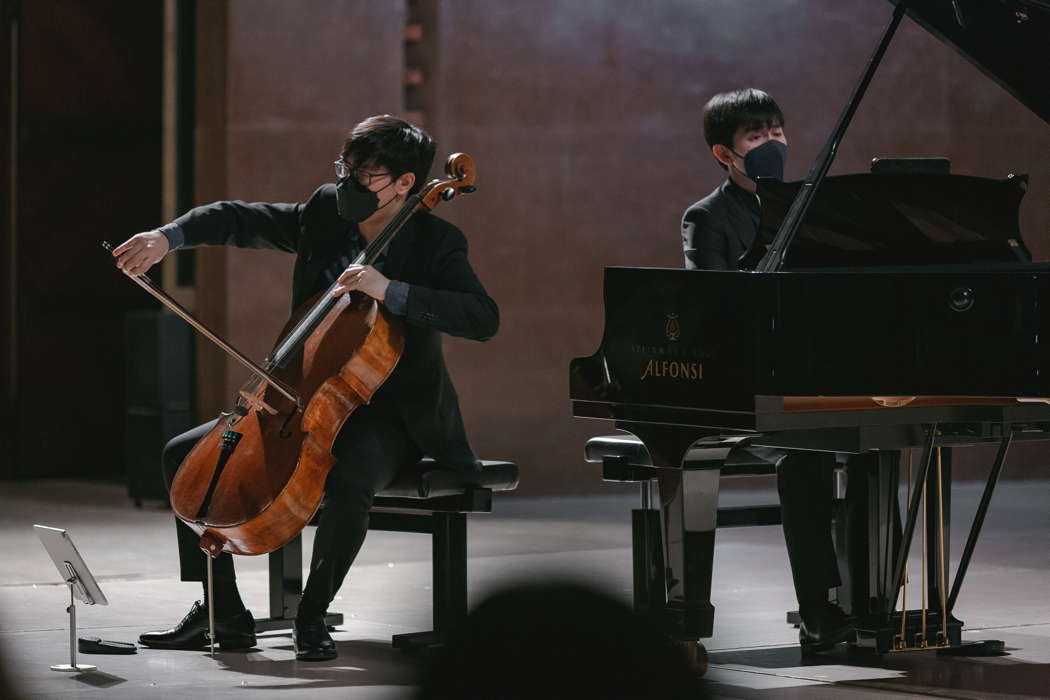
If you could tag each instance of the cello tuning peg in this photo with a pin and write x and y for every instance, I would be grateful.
(448, 193)
(468, 189)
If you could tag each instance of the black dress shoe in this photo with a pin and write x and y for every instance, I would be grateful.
(311, 639)
(823, 628)
(235, 632)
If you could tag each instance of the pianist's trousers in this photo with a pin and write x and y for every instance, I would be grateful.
(805, 483)
(369, 452)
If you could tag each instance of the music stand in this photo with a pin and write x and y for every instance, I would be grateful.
(81, 584)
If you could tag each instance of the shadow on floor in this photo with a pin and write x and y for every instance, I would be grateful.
(98, 679)
(360, 663)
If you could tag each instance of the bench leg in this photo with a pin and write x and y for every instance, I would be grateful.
(286, 588)
(449, 542)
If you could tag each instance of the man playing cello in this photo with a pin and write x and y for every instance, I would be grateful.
(424, 277)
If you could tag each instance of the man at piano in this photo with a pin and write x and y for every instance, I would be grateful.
(744, 130)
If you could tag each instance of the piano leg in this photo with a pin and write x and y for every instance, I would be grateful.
(650, 588)
(690, 519)
(843, 521)
(871, 540)
(874, 544)
(870, 532)
(689, 469)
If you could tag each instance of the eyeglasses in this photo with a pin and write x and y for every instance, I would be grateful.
(343, 170)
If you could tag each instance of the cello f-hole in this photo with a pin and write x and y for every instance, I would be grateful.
(284, 426)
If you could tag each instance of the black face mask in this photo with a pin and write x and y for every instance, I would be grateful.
(355, 202)
(766, 160)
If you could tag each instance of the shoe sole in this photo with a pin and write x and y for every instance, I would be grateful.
(315, 656)
(312, 654)
(235, 644)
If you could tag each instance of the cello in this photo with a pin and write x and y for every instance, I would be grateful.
(256, 479)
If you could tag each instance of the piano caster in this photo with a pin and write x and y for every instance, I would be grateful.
(696, 656)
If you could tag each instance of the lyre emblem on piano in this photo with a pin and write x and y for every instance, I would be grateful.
(673, 330)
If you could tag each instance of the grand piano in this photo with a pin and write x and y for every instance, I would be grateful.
(882, 314)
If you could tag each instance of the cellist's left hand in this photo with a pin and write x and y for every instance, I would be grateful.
(363, 278)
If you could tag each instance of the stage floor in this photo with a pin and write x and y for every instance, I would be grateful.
(753, 653)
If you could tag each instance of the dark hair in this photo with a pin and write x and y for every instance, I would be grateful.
(728, 112)
(391, 143)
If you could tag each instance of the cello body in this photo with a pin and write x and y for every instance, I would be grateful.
(272, 485)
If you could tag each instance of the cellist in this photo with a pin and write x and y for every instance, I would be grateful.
(424, 277)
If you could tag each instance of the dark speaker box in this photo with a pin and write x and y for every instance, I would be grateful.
(158, 393)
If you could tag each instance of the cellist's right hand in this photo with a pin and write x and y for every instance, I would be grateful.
(141, 252)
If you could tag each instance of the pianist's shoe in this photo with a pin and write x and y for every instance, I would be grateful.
(233, 632)
(823, 627)
(311, 639)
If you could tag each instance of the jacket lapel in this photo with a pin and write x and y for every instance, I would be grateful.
(742, 218)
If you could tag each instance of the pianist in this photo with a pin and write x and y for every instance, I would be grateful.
(744, 130)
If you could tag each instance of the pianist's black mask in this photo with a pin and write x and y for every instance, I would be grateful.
(766, 160)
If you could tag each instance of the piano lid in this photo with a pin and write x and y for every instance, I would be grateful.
(896, 219)
(1009, 40)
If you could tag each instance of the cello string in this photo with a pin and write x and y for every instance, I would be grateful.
(297, 336)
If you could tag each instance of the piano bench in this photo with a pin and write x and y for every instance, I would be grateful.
(424, 499)
(624, 458)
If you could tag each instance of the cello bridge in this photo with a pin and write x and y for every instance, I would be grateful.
(257, 404)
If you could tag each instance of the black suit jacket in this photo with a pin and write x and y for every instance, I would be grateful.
(719, 229)
(444, 296)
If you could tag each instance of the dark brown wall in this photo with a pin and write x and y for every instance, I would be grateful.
(584, 121)
(87, 169)
(8, 356)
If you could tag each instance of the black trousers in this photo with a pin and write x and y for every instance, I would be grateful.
(805, 484)
(369, 452)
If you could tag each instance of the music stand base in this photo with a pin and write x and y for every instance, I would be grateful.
(66, 668)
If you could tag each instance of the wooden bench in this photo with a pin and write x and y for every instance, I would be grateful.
(425, 499)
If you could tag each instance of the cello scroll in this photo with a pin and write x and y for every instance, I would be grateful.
(460, 176)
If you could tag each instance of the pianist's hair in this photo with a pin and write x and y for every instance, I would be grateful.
(391, 143)
(728, 112)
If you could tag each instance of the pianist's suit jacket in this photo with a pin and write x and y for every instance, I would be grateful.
(719, 228)
(444, 295)
(716, 231)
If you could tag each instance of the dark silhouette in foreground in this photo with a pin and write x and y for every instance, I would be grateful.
(558, 640)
